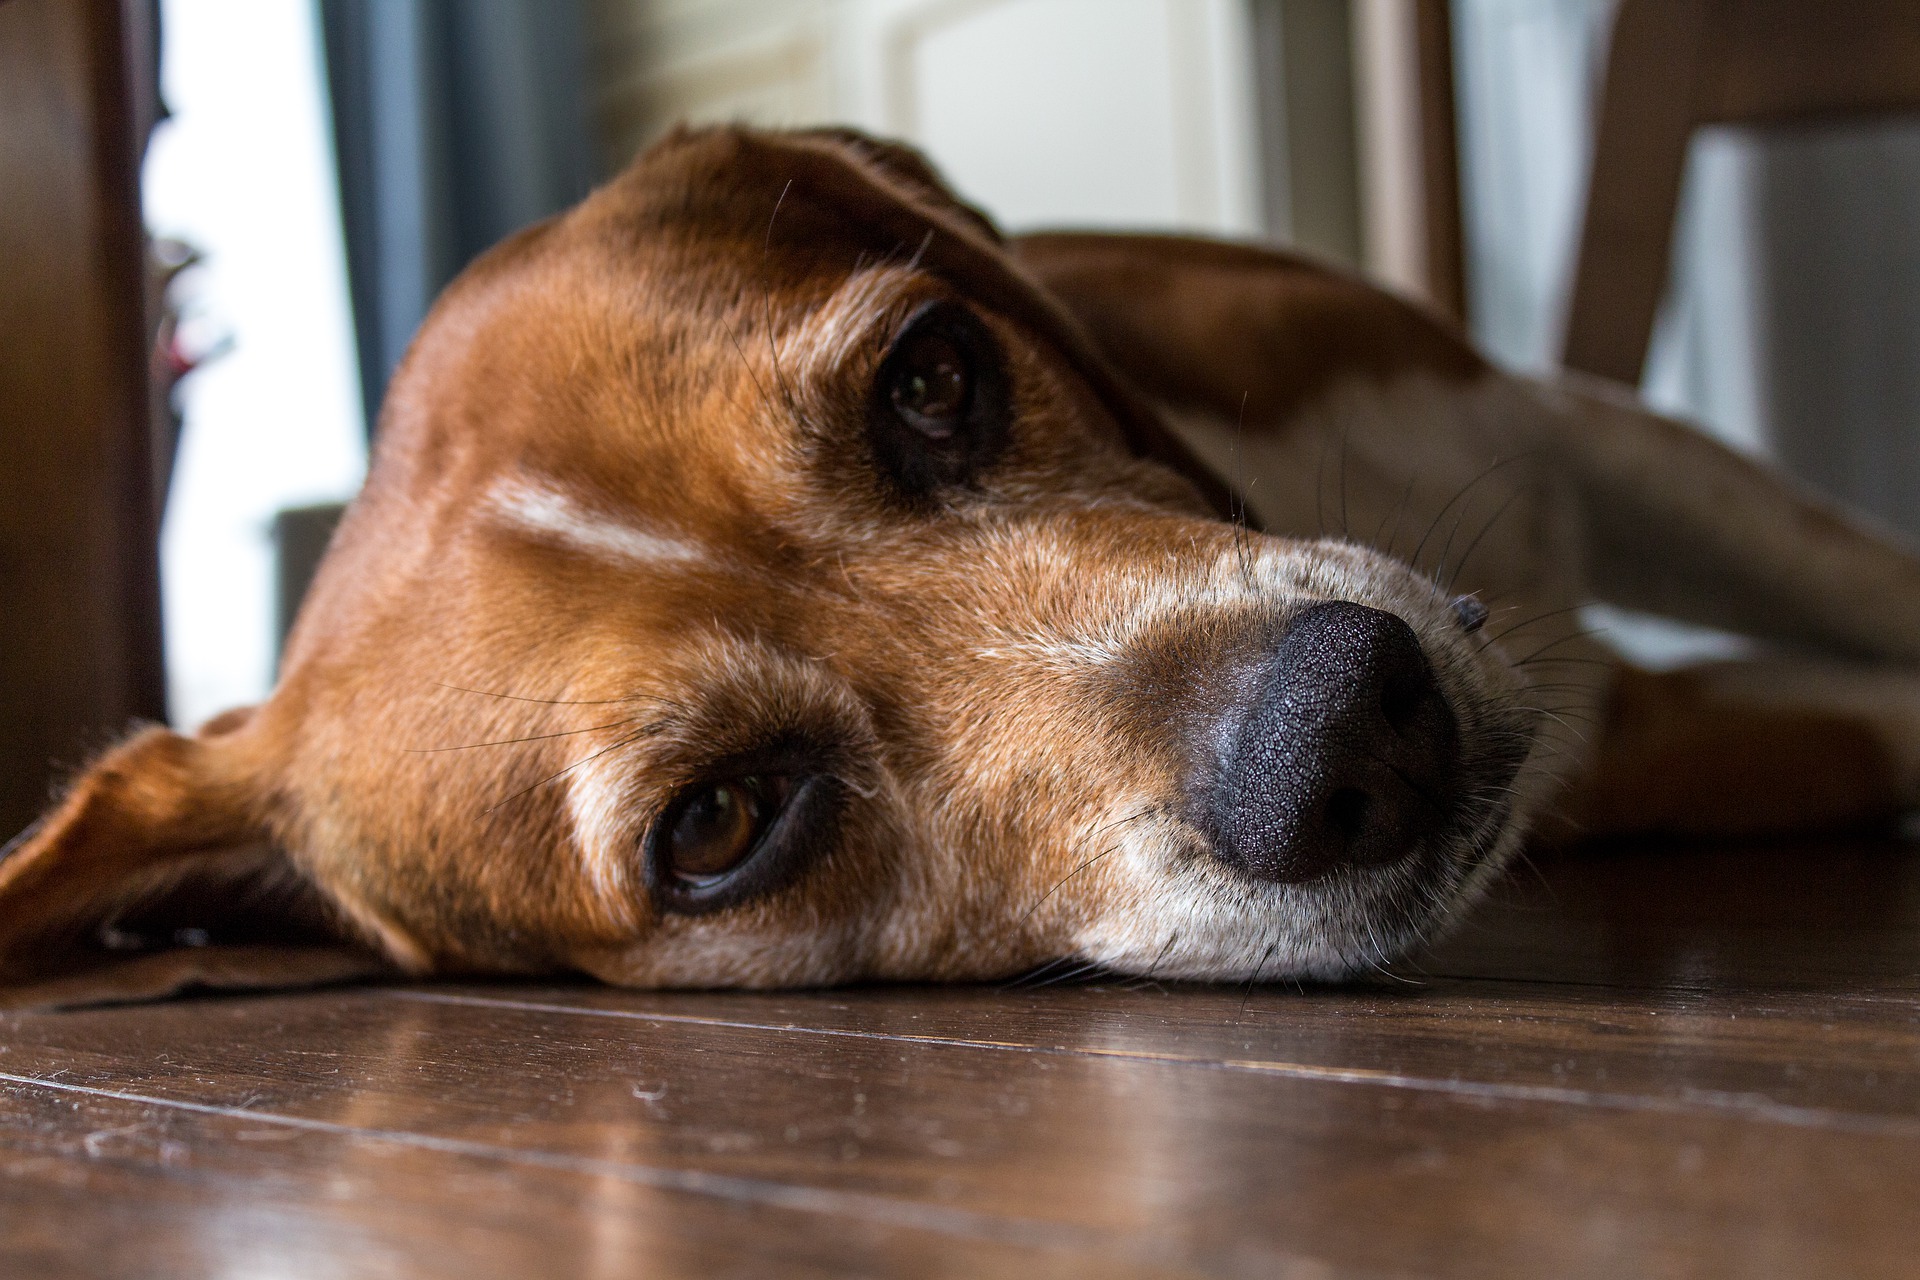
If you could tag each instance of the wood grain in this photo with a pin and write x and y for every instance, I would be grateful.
(1674, 65)
(1163, 1159)
(1651, 1061)
(79, 559)
(93, 1186)
(1645, 117)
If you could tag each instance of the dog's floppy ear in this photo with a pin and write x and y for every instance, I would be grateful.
(1246, 332)
(155, 874)
(896, 197)
(906, 168)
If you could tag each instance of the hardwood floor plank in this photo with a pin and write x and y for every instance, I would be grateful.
(1160, 1157)
(94, 1185)
(1780, 978)
(1650, 1062)
(1811, 916)
(1840, 1060)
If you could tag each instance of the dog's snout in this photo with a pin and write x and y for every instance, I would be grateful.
(1346, 754)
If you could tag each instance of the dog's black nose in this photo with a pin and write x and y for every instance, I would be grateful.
(1346, 755)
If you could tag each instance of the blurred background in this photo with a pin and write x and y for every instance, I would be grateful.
(1717, 200)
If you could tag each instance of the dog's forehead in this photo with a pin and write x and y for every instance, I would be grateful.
(730, 230)
(638, 331)
(621, 341)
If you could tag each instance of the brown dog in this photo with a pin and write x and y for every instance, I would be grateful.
(768, 575)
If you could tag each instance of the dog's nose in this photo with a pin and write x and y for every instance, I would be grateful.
(1345, 757)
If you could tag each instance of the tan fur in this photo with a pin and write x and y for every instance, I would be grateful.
(622, 526)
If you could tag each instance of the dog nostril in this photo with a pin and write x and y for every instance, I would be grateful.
(1346, 756)
(1347, 812)
(1400, 702)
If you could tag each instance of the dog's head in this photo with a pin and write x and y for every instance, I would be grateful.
(762, 581)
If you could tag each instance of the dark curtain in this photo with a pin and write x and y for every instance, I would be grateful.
(456, 122)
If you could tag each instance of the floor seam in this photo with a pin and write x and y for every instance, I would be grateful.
(864, 1206)
(1750, 1106)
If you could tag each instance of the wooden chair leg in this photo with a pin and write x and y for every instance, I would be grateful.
(1411, 178)
(1440, 158)
(1648, 110)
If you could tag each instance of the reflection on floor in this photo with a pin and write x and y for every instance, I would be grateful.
(1636, 1062)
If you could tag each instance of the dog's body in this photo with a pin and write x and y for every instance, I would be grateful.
(768, 576)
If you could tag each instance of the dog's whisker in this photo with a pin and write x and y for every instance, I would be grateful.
(1467, 555)
(1239, 504)
(747, 364)
(1320, 490)
(1465, 489)
(1554, 644)
(1383, 953)
(1037, 974)
(1381, 969)
(534, 737)
(766, 308)
(1013, 983)
(1028, 913)
(1572, 708)
(1060, 966)
(779, 375)
(566, 702)
(1153, 968)
(1526, 860)
(1538, 617)
(1440, 579)
(1399, 511)
(1569, 662)
(926, 242)
(1558, 719)
(1131, 818)
(1079, 971)
(1345, 528)
(1254, 977)
(767, 247)
(556, 776)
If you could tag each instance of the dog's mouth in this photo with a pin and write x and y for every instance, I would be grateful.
(1346, 802)
(1222, 924)
(1378, 911)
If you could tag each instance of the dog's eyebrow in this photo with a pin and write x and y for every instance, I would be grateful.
(554, 515)
(832, 331)
(599, 800)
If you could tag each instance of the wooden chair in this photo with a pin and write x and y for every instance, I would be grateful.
(1407, 125)
(1675, 65)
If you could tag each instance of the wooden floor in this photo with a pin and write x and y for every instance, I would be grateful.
(1641, 1063)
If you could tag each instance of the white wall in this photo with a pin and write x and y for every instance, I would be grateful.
(244, 172)
(1120, 113)
(1527, 73)
(1045, 112)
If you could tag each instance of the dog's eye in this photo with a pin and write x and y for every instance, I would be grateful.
(743, 833)
(931, 382)
(939, 411)
(718, 825)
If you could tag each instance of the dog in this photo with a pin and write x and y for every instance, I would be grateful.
(770, 575)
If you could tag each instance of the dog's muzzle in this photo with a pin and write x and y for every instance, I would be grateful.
(1346, 756)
